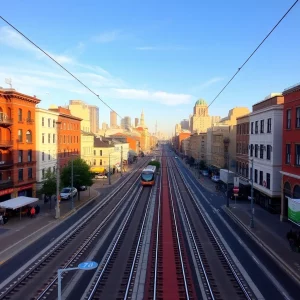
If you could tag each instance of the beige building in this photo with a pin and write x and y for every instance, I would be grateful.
(177, 129)
(81, 110)
(87, 145)
(94, 118)
(197, 146)
(113, 120)
(200, 120)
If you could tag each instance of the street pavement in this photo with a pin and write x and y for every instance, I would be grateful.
(273, 277)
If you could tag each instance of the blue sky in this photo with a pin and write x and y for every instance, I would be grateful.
(160, 56)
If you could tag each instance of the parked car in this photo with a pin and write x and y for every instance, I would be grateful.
(204, 172)
(175, 156)
(215, 178)
(100, 176)
(67, 193)
(83, 188)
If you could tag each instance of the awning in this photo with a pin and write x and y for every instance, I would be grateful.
(97, 169)
(17, 202)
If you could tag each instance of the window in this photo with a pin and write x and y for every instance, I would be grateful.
(94, 152)
(252, 127)
(53, 124)
(28, 136)
(29, 173)
(288, 119)
(29, 116)
(100, 152)
(20, 135)
(261, 177)
(287, 153)
(255, 175)
(49, 156)
(250, 177)
(298, 117)
(29, 155)
(54, 169)
(100, 162)
(297, 155)
(49, 138)
(269, 148)
(20, 115)
(256, 127)
(262, 126)
(43, 138)
(256, 150)
(43, 121)
(53, 138)
(261, 151)
(20, 156)
(49, 122)
(251, 150)
(43, 156)
(20, 174)
(94, 162)
(268, 181)
(43, 173)
(269, 125)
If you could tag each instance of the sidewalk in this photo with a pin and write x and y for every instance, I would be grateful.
(18, 234)
(269, 233)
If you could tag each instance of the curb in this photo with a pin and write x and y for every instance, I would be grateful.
(80, 206)
(278, 260)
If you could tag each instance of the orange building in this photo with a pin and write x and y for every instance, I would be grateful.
(69, 135)
(17, 144)
(133, 141)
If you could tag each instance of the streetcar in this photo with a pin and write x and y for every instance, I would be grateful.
(148, 175)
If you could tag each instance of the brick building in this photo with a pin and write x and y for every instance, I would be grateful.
(290, 148)
(69, 135)
(17, 144)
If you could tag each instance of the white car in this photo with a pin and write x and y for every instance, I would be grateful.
(67, 193)
(215, 178)
(100, 176)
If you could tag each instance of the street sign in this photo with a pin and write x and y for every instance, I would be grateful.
(236, 181)
(235, 195)
(88, 265)
(236, 190)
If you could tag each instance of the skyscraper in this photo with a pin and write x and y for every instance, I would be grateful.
(136, 122)
(142, 121)
(94, 118)
(113, 119)
(185, 124)
(126, 122)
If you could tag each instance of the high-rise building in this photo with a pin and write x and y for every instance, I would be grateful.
(185, 124)
(81, 110)
(113, 119)
(104, 126)
(200, 120)
(126, 122)
(142, 120)
(136, 122)
(94, 118)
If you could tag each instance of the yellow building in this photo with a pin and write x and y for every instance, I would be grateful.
(200, 120)
(197, 146)
(81, 110)
(87, 147)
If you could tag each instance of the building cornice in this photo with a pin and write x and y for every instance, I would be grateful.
(290, 174)
(267, 109)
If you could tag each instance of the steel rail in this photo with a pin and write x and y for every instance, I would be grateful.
(216, 238)
(138, 246)
(176, 188)
(178, 240)
(114, 243)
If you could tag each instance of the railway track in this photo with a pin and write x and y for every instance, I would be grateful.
(169, 273)
(218, 276)
(116, 273)
(23, 281)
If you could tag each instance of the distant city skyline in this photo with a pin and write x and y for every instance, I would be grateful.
(101, 53)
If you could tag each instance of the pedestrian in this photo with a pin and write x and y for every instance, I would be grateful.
(32, 212)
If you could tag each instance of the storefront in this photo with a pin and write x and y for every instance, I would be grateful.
(6, 194)
(26, 190)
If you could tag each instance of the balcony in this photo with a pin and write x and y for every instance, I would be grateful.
(6, 163)
(5, 121)
(6, 184)
(6, 143)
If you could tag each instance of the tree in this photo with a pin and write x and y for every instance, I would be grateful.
(155, 163)
(202, 164)
(49, 184)
(81, 174)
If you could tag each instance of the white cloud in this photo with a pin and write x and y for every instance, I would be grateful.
(158, 96)
(210, 82)
(107, 37)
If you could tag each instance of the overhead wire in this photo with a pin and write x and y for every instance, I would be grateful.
(59, 64)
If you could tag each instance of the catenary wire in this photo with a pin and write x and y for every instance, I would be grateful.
(53, 59)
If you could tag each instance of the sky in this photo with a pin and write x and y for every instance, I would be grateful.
(156, 56)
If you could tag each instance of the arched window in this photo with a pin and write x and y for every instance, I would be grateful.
(29, 116)
(20, 135)
(296, 193)
(20, 119)
(28, 136)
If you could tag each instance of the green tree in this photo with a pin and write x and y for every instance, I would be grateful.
(81, 174)
(202, 164)
(155, 163)
(49, 184)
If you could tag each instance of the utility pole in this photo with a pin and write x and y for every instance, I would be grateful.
(57, 216)
(121, 160)
(252, 208)
(72, 201)
(109, 169)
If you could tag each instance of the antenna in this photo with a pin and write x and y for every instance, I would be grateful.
(8, 81)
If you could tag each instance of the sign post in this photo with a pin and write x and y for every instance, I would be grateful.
(87, 265)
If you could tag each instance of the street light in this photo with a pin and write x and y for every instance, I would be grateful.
(252, 208)
(57, 208)
(72, 176)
